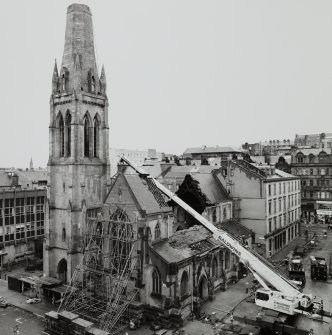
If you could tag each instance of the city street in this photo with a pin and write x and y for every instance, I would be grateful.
(321, 289)
(28, 324)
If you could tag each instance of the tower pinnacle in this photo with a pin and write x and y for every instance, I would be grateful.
(55, 78)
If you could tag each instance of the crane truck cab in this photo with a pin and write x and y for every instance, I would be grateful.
(318, 268)
(276, 301)
(296, 270)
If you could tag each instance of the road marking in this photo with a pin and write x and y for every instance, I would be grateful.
(18, 320)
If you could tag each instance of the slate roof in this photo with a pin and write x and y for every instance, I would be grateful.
(5, 180)
(148, 197)
(181, 171)
(203, 150)
(159, 169)
(283, 174)
(261, 171)
(211, 188)
(34, 175)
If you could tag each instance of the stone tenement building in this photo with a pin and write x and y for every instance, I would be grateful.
(314, 167)
(79, 149)
(269, 202)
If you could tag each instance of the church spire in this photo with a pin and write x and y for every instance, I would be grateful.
(31, 164)
(79, 51)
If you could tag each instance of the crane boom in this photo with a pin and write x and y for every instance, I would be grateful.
(288, 298)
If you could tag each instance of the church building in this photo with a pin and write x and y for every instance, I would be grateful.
(78, 164)
(179, 264)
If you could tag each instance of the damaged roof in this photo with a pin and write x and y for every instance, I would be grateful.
(194, 241)
(185, 244)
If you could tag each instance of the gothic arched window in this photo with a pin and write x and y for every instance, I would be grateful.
(86, 137)
(157, 232)
(156, 281)
(68, 133)
(61, 137)
(95, 136)
(184, 284)
(215, 267)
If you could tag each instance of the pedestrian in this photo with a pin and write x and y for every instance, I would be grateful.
(131, 324)
(15, 330)
(231, 319)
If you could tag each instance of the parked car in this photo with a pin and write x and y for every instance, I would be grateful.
(3, 303)
(33, 300)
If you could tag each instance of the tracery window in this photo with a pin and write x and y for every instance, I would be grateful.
(86, 137)
(156, 281)
(61, 137)
(95, 136)
(68, 133)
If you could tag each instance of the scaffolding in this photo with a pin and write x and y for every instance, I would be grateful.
(102, 286)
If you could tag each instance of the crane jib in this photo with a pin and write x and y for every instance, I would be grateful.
(227, 244)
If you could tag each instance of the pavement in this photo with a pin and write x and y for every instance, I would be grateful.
(19, 300)
(25, 322)
(223, 303)
(282, 254)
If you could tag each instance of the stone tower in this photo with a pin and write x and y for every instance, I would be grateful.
(78, 144)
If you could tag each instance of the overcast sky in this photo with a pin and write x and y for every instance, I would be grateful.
(180, 73)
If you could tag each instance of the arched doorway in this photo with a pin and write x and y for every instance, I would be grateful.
(203, 288)
(62, 270)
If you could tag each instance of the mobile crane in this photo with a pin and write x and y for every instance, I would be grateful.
(278, 292)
